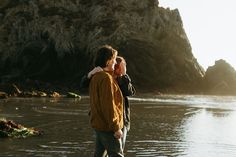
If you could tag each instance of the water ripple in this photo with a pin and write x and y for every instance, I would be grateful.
(57, 111)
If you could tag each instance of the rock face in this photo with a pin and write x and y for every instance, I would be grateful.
(220, 79)
(56, 40)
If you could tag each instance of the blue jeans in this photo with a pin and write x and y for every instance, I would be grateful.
(106, 141)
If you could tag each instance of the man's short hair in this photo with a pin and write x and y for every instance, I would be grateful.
(104, 54)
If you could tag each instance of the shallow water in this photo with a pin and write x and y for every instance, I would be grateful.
(170, 125)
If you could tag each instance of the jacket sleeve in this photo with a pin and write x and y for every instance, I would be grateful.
(108, 106)
(126, 86)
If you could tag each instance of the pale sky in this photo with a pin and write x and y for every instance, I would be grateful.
(210, 26)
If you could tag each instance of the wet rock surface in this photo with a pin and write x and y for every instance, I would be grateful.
(9, 128)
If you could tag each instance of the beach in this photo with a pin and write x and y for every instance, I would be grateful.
(167, 125)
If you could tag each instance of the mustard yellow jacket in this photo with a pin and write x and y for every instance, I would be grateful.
(106, 102)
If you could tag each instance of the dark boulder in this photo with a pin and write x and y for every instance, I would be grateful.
(10, 89)
(220, 79)
(3, 95)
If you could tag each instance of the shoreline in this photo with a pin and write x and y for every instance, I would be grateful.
(34, 88)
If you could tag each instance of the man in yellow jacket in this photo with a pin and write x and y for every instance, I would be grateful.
(106, 102)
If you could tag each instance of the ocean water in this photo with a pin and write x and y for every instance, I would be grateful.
(161, 126)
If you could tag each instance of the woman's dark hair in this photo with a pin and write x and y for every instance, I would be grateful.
(119, 59)
(104, 54)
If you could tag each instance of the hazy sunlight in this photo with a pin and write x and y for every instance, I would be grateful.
(210, 27)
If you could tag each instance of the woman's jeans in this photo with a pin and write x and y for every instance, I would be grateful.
(107, 141)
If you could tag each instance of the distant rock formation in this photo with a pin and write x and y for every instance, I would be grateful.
(56, 40)
(220, 79)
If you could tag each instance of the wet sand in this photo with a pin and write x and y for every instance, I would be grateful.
(158, 127)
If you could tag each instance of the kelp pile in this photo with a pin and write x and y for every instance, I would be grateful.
(8, 128)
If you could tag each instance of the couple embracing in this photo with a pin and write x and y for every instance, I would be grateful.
(109, 86)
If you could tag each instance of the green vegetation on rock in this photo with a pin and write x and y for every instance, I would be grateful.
(8, 128)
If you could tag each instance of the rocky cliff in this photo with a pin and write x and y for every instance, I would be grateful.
(220, 79)
(55, 41)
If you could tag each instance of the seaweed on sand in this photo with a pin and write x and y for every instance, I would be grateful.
(8, 128)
